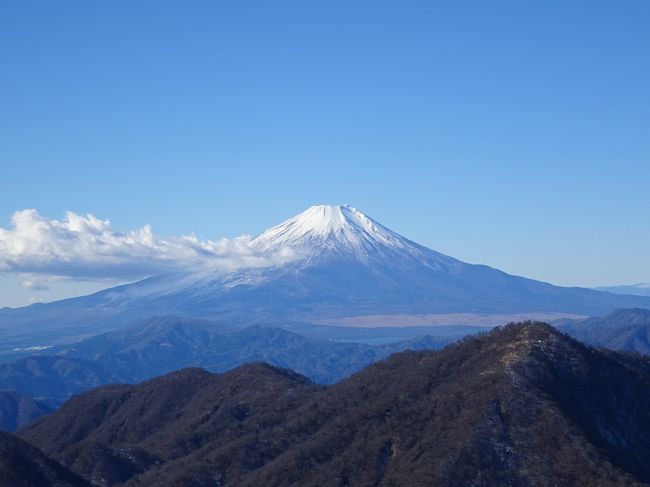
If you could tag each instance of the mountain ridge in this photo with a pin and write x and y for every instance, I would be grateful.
(18, 409)
(161, 345)
(522, 405)
(641, 289)
(622, 329)
(23, 465)
(347, 264)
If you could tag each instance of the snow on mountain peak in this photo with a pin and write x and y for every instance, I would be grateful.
(325, 219)
(330, 228)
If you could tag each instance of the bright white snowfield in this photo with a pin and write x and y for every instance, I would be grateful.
(331, 227)
(326, 231)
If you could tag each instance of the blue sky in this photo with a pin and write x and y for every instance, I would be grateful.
(510, 133)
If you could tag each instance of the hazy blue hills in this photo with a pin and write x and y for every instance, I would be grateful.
(161, 345)
(521, 406)
(642, 289)
(17, 409)
(623, 329)
(164, 344)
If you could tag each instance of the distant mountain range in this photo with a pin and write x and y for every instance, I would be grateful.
(632, 289)
(339, 263)
(521, 406)
(623, 329)
(37, 384)
(17, 410)
(160, 345)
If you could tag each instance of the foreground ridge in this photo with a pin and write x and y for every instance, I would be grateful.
(522, 405)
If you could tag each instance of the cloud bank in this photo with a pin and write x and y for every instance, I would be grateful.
(85, 247)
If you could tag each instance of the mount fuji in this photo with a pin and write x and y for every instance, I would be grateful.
(340, 264)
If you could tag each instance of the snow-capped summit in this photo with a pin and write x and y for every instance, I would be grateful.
(342, 264)
(338, 229)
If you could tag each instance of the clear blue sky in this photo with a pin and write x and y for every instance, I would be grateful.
(510, 133)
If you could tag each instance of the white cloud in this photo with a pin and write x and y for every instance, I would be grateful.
(85, 247)
(34, 285)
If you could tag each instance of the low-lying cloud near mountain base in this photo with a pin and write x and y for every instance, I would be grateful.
(86, 247)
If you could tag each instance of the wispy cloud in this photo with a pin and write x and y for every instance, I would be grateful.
(86, 247)
(33, 285)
